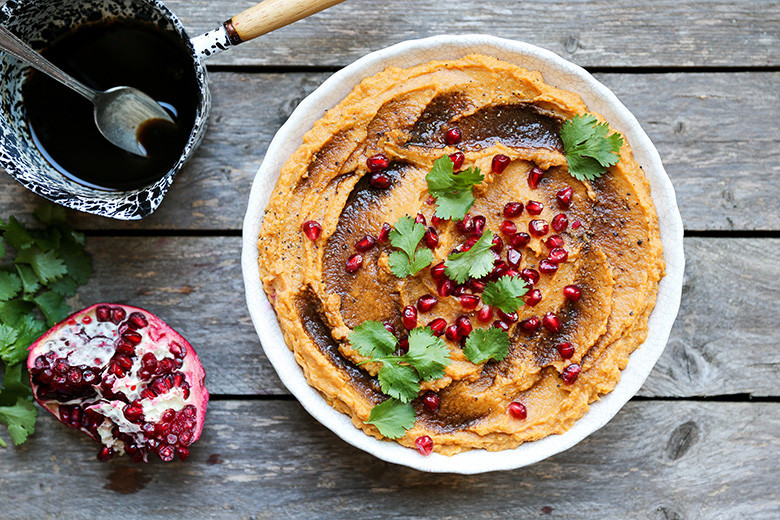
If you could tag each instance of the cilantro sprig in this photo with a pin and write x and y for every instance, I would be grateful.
(399, 376)
(484, 344)
(453, 191)
(406, 236)
(505, 293)
(48, 266)
(588, 148)
(474, 263)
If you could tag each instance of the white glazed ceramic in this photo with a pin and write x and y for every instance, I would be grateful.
(557, 72)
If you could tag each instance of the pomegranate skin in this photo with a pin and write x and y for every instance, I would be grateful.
(172, 393)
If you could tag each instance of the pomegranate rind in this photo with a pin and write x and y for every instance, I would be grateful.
(158, 330)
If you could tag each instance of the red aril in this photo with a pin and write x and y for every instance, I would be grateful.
(559, 222)
(424, 445)
(365, 243)
(377, 162)
(520, 240)
(150, 399)
(312, 229)
(538, 228)
(513, 209)
(457, 159)
(534, 207)
(437, 326)
(564, 197)
(426, 302)
(517, 410)
(534, 176)
(499, 163)
(572, 292)
(453, 136)
(571, 373)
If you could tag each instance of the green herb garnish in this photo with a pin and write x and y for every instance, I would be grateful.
(506, 293)
(406, 236)
(392, 418)
(48, 266)
(589, 150)
(484, 344)
(453, 191)
(474, 263)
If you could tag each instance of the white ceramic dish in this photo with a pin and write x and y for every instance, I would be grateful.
(557, 72)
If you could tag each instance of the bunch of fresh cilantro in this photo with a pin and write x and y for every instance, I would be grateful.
(39, 269)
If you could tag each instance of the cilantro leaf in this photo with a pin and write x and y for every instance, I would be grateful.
(50, 214)
(30, 282)
(372, 339)
(484, 344)
(47, 265)
(398, 380)
(16, 235)
(52, 306)
(505, 293)
(8, 336)
(406, 236)
(78, 263)
(28, 329)
(66, 286)
(427, 354)
(589, 150)
(12, 311)
(20, 419)
(392, 418)
(10, 285)
(474, 263)
(453, 191)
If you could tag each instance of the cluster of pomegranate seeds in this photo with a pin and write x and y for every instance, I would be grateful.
(424, 445)
(571, 373)
(453, 136)
(109, 370)
(518, 410)
(499, 163)
(312, 229)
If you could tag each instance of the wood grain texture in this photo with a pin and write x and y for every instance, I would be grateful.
(600, 33)
(268, 460)
(717, 134)
(724, 341)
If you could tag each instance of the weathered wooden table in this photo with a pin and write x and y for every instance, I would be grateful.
(701, 440)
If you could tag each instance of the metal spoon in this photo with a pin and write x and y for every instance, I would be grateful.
(119, 111)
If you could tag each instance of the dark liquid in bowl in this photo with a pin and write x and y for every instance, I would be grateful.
(105, 55)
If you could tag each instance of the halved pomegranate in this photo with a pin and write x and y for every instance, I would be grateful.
(123, 377)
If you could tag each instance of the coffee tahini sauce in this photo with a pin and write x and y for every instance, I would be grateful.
(102, 56)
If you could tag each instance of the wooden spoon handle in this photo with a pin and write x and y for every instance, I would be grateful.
(270, 15)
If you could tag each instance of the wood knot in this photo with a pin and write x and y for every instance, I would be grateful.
(681, 440)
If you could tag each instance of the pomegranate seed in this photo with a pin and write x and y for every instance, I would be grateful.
(564, 197)
(498, 244)
(437, 271)
(538, 228)
(507, 317)
(389, 327)
(512, 273)
(485, 314)
(517, 410)
(380, 181)
(464, 325)
(499, 269)
(513, 209)
(135, 321)
(513, 257)
(420, 219)
(403, 345)
(479, 226)
(354, 262)
(312, 229)
(466, 224)
(571, 373)
(124, 362)
(431, 401)
(451, 333)
(453, 136)
(508, 227)
(551, 322)
(430, 200)
(431, 238)
(572, 292)
(460, 289)
(437, 326)
(468, 244)
(377, 162)
(469, 301)
(436, 220)
(534, 176)
(530, 275)
(183, 453)
(117, 315)
(533, 207)
(533, 297)
(149, 361)
(520, 240)
(477, 286)
(445, 288)
(365, 243)
(105, 454)
(547, 267)
(576, 224)
(554, 241)
(566, 350)
(498, 324)
(499, 163)
(132, 337)
(384, 233)
(558, 255)
(457, 159)
(427, 302)
(530, 325)
(559, 222)
(103, 313)
(409, 317)
(424, 445)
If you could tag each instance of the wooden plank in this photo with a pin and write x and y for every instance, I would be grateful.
(597, 33)
(269, 459)
(724, 342)
(717, 134)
